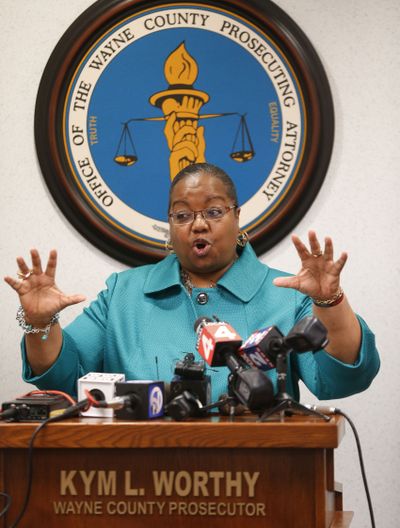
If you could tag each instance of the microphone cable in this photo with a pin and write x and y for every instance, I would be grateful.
(69, 412)
(7, 503)
(335, 410)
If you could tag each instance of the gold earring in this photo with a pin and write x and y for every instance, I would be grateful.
(242, 239)
(169, 248)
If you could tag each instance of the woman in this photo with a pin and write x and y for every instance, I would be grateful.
(143, 322)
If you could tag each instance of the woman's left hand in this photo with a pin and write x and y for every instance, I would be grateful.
(319, 276)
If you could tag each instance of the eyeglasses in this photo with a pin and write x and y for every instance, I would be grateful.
(211, 213)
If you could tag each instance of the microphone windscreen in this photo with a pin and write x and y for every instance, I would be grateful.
(200, 321)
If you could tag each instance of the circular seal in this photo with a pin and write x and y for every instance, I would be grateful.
(132, 94)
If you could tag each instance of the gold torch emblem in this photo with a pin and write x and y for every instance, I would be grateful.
(181, 104)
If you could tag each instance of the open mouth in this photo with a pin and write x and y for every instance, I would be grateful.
(201, 247)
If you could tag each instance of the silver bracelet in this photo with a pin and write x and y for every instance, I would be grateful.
(29, 329)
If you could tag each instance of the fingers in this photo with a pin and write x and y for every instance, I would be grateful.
(314, 244)
(186, 150)
(328, 251)
(301, 249)
(169, 129)
(287, 282)
(36, 268)
(22, 265)
(52, 264)
(36, 262)
(315, 248)
(185, 132)
(69, 300)
(14, 283)
(341, 261)
(191, 104)
(328, 254)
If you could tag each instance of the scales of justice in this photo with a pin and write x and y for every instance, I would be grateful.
(181, 104)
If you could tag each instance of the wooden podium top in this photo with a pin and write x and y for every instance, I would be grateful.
(213, 432)
(100, 473)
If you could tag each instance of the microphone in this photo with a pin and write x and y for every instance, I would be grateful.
(185, 405)
(215, 340)
(259, 349)
(142, 400)
(218, 344)
(263, 346)
(309, 334)
(190, 389)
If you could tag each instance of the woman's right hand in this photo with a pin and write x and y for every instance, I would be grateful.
(39, 296)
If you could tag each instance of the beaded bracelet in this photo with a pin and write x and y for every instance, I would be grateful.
(333, 301)
(29, 329)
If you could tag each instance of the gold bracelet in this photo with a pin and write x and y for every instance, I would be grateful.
(333, 301)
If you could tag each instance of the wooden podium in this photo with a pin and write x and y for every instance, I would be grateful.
(213, 472)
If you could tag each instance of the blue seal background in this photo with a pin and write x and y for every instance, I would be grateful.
(231, 76)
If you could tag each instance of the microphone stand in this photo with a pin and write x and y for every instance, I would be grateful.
(286, 405)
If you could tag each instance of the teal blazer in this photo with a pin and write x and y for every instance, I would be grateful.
(142, 323)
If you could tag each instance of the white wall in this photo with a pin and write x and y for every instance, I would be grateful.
(358, 42)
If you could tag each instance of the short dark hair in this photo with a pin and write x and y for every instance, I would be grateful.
(206, 168)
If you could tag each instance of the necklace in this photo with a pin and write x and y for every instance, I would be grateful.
(188, 284)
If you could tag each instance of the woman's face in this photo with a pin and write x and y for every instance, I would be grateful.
(204, 246)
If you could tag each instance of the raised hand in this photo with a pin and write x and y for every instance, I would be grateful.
(319, 276)
(39, 296)
(185, 141)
